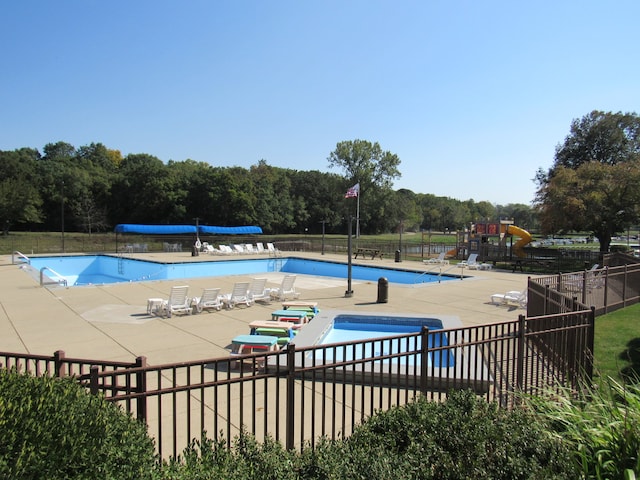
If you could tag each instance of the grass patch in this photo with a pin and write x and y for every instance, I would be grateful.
(617, 344)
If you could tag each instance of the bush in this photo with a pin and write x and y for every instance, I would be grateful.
(464, 437)
(602, 427)
(52, 428)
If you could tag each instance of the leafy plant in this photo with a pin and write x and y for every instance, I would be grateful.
(52, 428)
(602, 428)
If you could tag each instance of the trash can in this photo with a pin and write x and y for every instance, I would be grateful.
(398, 256)
(383, 290)
(194, 251)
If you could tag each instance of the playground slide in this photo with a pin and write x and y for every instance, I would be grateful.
(525, 237)
(452, 253)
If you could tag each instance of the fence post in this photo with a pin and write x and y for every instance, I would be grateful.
(590, 343)
(93, 380)
(291, 397)
(141, 384)
(58, 361)
(520, 353)
(424, 364)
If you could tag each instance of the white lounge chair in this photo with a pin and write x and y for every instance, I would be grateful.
(439, 260)
(248, 248)
(239, 294)
(239, 249)
(272, 249)
(513, 297)
(226, 250)
(210, 299)
(470, 262)
(260, 247)
(286, 289)
(178, 302)
(258, 290)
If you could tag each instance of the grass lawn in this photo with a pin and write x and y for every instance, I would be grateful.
(617, 343)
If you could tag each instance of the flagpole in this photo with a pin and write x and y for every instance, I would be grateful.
(358, 217)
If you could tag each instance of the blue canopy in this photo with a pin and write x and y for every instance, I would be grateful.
(155, 229)
(246, 230)
(185, 229)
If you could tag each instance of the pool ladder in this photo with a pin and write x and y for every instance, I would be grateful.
(431, 272)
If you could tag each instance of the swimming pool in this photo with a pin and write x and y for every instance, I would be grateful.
(79, 270)
(362, 327)
(331, 327)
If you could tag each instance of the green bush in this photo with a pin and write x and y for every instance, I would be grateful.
(602, 428)
(464, 437)
(52, 428)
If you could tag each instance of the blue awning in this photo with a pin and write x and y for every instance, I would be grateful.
(155, 229)
(246, 230)
(186, 229)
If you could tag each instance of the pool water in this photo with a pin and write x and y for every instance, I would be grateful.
(354, 328)
(105, 269)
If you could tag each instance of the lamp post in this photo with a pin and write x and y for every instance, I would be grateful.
(62, 213)
(323, 223)
(349, 292)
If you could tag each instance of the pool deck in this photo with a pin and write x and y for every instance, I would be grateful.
(110, 322)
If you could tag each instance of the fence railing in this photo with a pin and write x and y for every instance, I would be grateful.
(606, 289)
(298, 395)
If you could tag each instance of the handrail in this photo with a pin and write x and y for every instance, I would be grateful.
(62, 281)
(19, 255)
(442, 272)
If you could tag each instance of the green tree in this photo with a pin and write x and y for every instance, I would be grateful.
(20, 201)
(592, 184)
(595, 197)
(366, 164)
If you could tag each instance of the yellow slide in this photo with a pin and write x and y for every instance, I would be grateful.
(525, 238)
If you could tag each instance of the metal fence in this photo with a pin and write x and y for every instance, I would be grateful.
(606, 289)
(298, 395)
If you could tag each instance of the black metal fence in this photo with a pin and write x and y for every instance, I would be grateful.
(606, 289)
(298, 395)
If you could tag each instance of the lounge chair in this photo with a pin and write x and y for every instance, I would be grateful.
(272, 249)
(439, 260)
(247, 344)
(248, 248)
(286, 289)
(178, 302)
(513, 297)
(470, 262)
(239, 249)
(210, 299)
(239, 294)
(260, 248)
(226, 250)
(258, 290)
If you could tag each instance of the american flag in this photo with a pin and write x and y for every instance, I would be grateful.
(353, 191)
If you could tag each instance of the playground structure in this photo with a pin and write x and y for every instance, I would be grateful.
(493, 241)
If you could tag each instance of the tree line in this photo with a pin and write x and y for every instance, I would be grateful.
(92, 188)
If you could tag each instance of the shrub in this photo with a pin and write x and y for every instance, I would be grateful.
(602, 428)
(52, 428)
(464, 437)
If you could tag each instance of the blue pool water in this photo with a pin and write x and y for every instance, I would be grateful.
(102, 269)
(349, 328)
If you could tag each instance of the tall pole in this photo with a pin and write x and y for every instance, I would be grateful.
(349, 292)
(323, 222)
(358, 216)
(62, 213)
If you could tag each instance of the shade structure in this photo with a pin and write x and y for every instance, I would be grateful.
(155, 229)
(186, 229)
(245, 230)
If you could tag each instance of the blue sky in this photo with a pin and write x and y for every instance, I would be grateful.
(473, 96)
